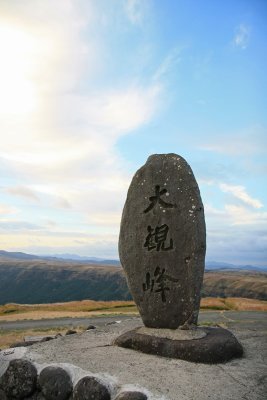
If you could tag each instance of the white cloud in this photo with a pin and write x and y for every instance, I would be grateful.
(121, 111)
(236, 234)
(23, 191)
(14, 225)
(109, 219)
(240, 193)
(238, 246)
(5, 209)
(134, 10)
(62, 150)
(250, 141)
(67, 132)
(242, 35)
(242, 216)
(50, 242)
(170, 61)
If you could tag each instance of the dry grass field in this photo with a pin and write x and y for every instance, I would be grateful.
(233, 303)
(84, 308)
(87, 308)
(7, 338)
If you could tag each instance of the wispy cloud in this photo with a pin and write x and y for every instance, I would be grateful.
(65, 145)
(252, 140)
(134, 10)
(240, 215)
(236, 233)
(240, 193)
(18, 226)
(234, 215)
(5, 209)
(67, 130)
(23, 191)
(242, 36)
(170, 61)
(238, 245)
(39, 241)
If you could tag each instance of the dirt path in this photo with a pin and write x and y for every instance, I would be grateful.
(245, 319)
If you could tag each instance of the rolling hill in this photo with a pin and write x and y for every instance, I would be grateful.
(27, 279)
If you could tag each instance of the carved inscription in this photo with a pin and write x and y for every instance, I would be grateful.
(157, 237)
(163, 241)
(160, 279)
(157, 200)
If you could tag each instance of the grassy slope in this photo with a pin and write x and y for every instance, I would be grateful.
(35, 281)
(48, 281)
(237, 284)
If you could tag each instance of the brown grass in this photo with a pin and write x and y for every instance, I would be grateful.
(240, 304)
(7, 338)
(84, 305)
(233, 303)
(85, 308)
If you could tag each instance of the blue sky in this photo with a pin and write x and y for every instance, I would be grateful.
(89, 89)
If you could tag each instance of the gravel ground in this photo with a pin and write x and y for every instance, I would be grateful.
(164, 378)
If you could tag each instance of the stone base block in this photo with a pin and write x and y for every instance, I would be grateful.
(203, 345)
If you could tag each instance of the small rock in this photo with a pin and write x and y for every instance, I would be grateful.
(55, 383)
(46, 339)
(70, 332)
(19, 380)
(21, 344)
(131, 396)
(90, 327)
(58, 335)
(88, 388)
(39, 338)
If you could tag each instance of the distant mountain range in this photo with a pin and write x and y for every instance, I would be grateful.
(210, 265)
(56, 257)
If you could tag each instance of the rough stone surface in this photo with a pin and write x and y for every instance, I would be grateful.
(174, 334)
(89, 388)
(36, 396)
(2, 395)
(19, 380)
(131, 396)
(39, 338)
(55, 383)
(219, 345)
(30, 342)
(163, 242)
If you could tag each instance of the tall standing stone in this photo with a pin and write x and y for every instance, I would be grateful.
(163, 242)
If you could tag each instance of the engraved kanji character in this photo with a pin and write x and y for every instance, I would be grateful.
(156, 238)
(157, 199)
(149, 284)
(161, 282)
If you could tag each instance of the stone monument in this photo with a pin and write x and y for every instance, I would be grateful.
(162, 249)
